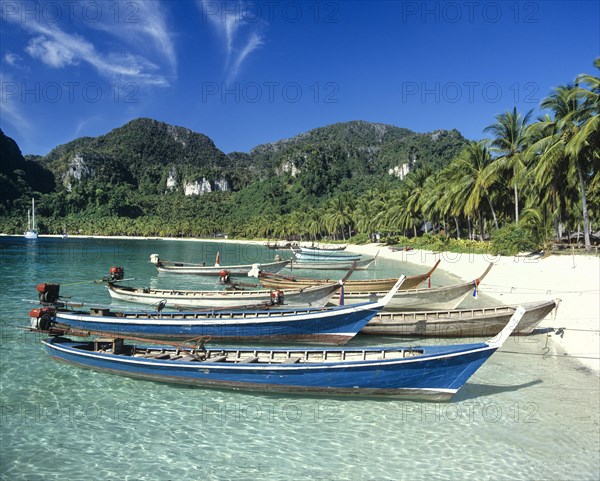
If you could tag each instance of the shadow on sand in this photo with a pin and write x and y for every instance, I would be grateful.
(474, 390)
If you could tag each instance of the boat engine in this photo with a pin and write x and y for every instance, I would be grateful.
(277, 298)
(48, 293)
(116, 273)
(41, 318)
(224, 277)
(154, 259)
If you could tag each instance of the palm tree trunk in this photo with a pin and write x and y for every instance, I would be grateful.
(586, 220)
(470, 229)
(480, 225)
(457, 227)
(493, 213)
(516, 205)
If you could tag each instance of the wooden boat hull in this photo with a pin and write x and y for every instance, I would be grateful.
(447, 297)
(321, 256)
(317, 296)
(329, 266)
(322, 250)
(277, 281)
(199, 269)
(436, 375)
(322, 326)
(479, 322)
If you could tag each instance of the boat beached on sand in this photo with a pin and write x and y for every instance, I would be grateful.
(474, 322)
(446, 297)
(332, 325)
(433, 373)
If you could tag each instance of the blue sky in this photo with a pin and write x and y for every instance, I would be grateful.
(246, 73)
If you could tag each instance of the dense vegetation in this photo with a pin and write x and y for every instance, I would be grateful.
(530, 183)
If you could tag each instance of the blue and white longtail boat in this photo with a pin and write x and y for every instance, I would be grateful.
(430, 372)
(329, 325)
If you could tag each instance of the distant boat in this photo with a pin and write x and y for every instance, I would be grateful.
(216, 270)
(31, 232)
(338, 265)
(434, 373)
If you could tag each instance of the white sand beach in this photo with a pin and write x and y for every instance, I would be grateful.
(575, 280)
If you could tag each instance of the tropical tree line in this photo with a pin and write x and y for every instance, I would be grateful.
(540, 175)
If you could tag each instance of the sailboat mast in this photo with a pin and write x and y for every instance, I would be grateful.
(33, 213)
(28, 219)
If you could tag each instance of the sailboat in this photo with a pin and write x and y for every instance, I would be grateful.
(31, 232)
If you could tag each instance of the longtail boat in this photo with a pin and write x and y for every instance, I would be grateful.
(216, 270)
(332, 265)
(331, 325)
(434, 373)
(317, 296)
(273, 280)
(322, 248)
(325, 256)
(476, 322)
(447, 297)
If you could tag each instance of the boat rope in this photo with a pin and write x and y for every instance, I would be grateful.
(546, 355)
(532, 290)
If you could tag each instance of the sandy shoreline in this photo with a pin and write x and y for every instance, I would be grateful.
(575, 280)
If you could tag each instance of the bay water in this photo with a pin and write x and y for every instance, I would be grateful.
(530, 413)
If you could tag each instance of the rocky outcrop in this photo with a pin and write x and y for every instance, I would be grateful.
(78, 169)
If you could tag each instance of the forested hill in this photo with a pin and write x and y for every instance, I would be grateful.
(381, 146)
(148, 168)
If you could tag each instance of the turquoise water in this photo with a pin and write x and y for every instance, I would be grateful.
(521, 416)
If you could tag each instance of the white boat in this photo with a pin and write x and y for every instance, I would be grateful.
(317, 296)
(31, 232)
(216, 270)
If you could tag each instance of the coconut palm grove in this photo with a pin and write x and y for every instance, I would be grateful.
(530, 182)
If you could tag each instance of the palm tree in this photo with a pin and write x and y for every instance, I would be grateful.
(471, 178)
(562, 140)
(510, 141)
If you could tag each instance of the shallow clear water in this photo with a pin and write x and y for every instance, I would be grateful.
(521, 416)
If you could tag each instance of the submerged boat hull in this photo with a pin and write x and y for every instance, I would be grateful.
(479, 322)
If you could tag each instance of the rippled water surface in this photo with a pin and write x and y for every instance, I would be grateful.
(521, 416)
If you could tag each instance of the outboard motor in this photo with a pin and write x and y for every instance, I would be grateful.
(154, 259)
(41, 318)
(116, 273)
(277, 298)
(48, 293)
(224, 277)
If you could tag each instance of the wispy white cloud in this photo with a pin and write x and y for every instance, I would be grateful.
(143, 25)
(57, 48)
(254, 42)
(240, 37)
(50, 52)
(11, 104)
(13, 59)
